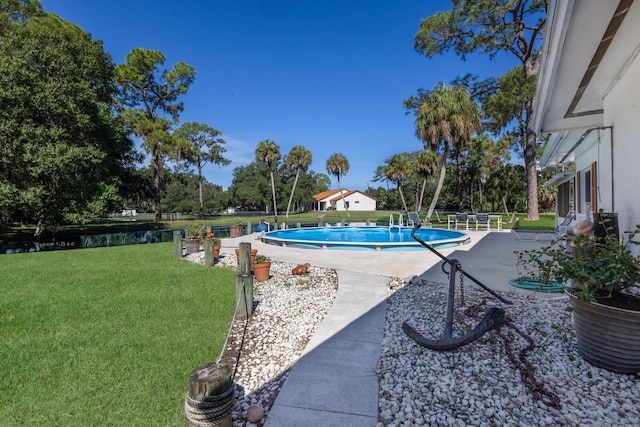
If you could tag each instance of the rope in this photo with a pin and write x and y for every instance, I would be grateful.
(214, 408)
(207, 412)
(534, 284)
(226, 340)
(244, 331)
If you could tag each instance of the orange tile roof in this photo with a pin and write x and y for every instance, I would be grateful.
(325, 194)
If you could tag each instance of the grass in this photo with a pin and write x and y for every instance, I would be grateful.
(546, 222)
(106, 336)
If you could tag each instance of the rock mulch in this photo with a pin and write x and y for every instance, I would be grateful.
(475, 385)
(288, 310)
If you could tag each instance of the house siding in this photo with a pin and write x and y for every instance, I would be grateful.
(357, 201)
(621, 111)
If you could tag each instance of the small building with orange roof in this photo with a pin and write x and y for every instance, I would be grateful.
(353, 199)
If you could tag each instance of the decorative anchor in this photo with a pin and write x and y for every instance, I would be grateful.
(491, 320)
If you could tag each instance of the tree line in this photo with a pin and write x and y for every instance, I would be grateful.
(69, 114)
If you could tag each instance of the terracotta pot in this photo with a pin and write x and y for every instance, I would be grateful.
(261, 271)
(254, 252)
(235, 231)
(607, 336)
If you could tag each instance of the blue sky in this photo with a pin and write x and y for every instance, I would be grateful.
(330, 75)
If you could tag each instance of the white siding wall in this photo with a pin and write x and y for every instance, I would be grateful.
(360, 202)
(622, 111)
(357, 202)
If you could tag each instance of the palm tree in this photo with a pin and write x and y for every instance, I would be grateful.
(446, 118)
(268, 152)
(298, 159)
(397, 170)
(201, 145)
(425, 164)
(338, 165)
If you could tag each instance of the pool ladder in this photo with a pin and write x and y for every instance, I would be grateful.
(398, 226)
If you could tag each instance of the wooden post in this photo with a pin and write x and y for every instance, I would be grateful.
(367, 222)
(177, 243)
(298, 225)
(208, 253)
(249, 227)
(210, 397)
(244, 283)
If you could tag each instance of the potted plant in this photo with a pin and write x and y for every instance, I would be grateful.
(602, 277)
(261, 268)
(236, 229)
(194, 235)
(217, 243)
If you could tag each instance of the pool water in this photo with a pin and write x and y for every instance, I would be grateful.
(365, 238)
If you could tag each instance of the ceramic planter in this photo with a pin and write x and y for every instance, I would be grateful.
(607, 336)
(192, 246)
(261, 271)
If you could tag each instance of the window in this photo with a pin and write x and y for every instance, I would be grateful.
(588, 189)
(565, 198)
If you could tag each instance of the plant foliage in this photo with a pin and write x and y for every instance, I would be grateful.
(593, 267)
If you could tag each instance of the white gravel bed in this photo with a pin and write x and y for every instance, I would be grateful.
(288, 310)
(477, 384)
(474, 385)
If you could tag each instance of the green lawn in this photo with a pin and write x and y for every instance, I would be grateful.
(106, 336)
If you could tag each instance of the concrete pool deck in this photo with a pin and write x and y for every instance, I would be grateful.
(488, 256)
(335, 382)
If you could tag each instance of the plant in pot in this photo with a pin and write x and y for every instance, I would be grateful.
(602, 277)
(236, 229)
(194, 235)
(217, 243)
(261, 268)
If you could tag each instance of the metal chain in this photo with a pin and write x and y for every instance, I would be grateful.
(526, 373)
(459, 267)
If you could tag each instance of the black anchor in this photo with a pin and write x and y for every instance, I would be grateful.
(491, 320)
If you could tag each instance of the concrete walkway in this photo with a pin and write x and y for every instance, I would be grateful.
(334, 383)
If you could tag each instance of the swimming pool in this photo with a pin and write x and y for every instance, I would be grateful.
(364, 238)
